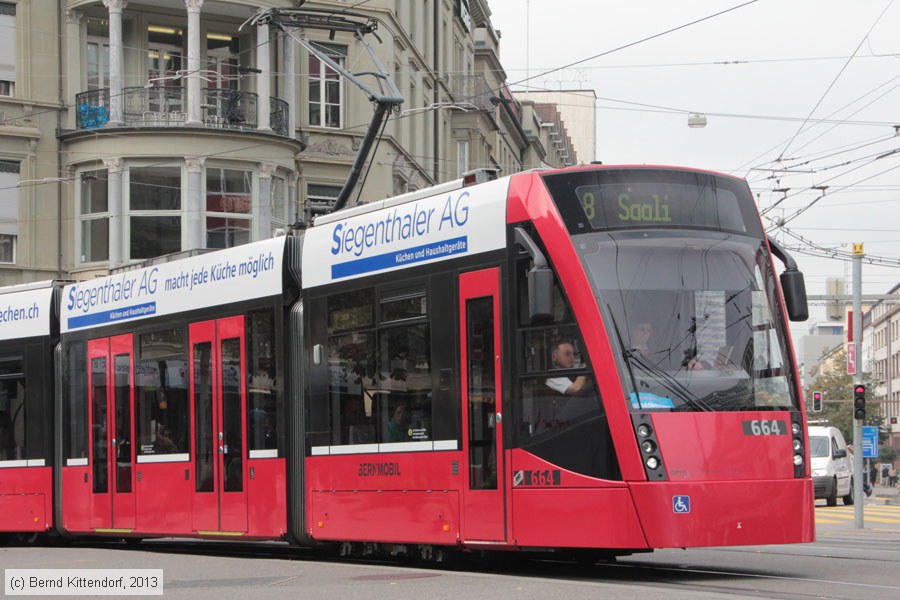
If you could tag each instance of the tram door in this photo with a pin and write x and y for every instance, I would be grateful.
(111, 398)
(484, 514)
(219, 399)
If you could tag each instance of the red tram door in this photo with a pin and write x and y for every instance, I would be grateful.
(484, 514)
(218, 395)
(111, 398)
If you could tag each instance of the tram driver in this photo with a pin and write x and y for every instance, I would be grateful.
(562, 356)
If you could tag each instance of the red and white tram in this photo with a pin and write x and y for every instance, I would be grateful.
(586, 358)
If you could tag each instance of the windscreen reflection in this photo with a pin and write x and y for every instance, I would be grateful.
(692, 316)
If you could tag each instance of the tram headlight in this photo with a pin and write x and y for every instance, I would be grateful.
(652, 463)
(798, 445)
(648, 446)
(798, 460)
(795, 428)
(644, 430)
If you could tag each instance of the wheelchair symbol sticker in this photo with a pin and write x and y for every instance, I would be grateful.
(681, 504)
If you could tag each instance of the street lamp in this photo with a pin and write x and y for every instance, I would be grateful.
(696, 120)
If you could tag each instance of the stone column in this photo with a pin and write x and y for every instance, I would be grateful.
(264, 220)
(73, 62)
(263, 79)
(114, 167)
(288, 82)
(195, 204)
(194, 116)
(116, 62)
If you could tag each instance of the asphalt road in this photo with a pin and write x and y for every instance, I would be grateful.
(845, 563)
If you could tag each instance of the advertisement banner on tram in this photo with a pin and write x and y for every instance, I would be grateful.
(25, 314)
(459, 223)
(223, 277)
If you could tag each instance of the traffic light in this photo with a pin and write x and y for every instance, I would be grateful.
(859, 402)
(817, 402)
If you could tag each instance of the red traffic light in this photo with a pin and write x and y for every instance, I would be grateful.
(859, 390)
(817, 395)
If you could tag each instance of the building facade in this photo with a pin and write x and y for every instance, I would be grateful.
(885, 334)
(132, 130)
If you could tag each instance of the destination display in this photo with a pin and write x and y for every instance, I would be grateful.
(652, 204)
(645, 197)
(226, 276)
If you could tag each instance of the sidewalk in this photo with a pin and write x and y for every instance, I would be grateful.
(887, 495)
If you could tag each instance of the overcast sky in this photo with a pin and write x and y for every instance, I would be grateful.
(787, 60)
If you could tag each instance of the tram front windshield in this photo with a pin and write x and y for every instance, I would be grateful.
(693, 317)
(685, 284)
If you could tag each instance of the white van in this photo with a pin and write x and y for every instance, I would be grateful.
(832, 465)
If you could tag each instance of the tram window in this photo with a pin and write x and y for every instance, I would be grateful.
(352, 379)
(77, 407)
(559, 414)
(404, 381)
(162, 410)
(351, 310)
(538, 346)
(12, 410)
(561, 311)
(401, 306)
(165, 342)
(262, 410)
(380, 382)
(98, 423)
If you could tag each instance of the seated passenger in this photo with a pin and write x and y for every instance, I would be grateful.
(398, 426)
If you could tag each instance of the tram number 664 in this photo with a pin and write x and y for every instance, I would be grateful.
(765, 427)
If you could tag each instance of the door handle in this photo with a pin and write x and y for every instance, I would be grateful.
(221, 449)
(499, 417)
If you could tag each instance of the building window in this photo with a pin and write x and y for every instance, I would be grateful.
(97, 54)
(326, 89)
(94, 216)
(8, 248)
(320, 199)
(279, 203)
(9, 210)
(154, 211)
(229, 207)
(222, 60)
(462, 158)
(7, 48)
(164, 56)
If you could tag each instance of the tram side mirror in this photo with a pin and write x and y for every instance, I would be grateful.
(540, 293)
(794, 289)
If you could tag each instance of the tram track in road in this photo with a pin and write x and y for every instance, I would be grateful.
(778, 572)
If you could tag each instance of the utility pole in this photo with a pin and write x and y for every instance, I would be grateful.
(858, 495)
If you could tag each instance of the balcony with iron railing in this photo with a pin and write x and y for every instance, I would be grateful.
(471, 90)
(167, 107)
